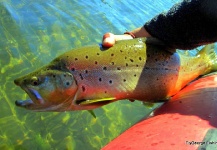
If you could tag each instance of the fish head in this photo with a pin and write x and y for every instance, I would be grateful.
(49, 90)
(54, 90)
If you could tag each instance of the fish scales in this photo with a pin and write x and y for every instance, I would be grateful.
(112, 73)
(92, 76)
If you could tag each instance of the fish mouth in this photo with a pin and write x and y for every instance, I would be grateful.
(35, 99)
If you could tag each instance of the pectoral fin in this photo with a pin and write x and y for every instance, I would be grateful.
(86, 102)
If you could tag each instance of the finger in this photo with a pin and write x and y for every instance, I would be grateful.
(108, 40)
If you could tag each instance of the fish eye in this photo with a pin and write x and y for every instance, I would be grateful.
(34, 81)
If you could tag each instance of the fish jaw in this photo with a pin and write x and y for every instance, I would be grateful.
(33, 94)
(35, 102)
(26, 103)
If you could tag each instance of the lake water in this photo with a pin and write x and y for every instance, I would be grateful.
(32, 33)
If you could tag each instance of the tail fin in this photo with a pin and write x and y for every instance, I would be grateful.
(209, 52)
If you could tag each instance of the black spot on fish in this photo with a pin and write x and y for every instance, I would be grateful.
(86, 71)
(104, 68)
(124, 80)
(86, 57)
(112, 54)
(97, 53)
(121, 51)
(110, 81)
(81, 76)
(125, 57)
(140, 58)
(54, 76)
(96, 62)
(131, 60)
(126, 64)
(72, 69)
(137, 65)
(67, 56)
(83, 88)
(118, 68)
(100, 79)
(135, 75)
(112, 63)
(76, 59)
(105, 91)
(157, 79)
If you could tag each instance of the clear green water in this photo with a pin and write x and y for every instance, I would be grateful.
(32, 33)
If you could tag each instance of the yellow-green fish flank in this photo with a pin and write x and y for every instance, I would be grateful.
(89, 77)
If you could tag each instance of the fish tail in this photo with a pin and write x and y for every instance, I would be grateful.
(210, 55)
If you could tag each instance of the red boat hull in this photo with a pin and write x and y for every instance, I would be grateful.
(186, 122)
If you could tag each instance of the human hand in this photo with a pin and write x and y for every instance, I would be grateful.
(109, 39)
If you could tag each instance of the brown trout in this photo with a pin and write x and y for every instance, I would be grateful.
(90, 77)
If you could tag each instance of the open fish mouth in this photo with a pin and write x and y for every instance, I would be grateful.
(35, 98)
